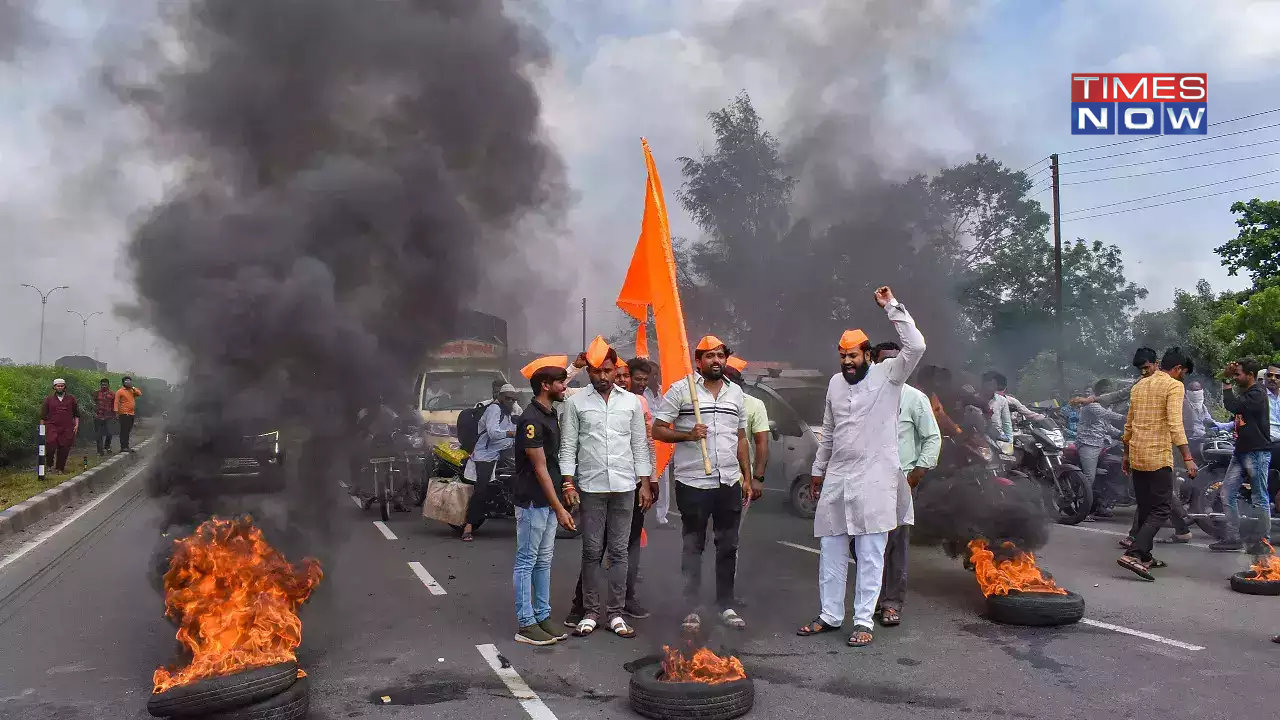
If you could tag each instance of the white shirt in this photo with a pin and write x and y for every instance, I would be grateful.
(865, 490)
(603, 444)
(724, 415)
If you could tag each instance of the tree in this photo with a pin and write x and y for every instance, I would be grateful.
(739, 196)
(1189, 325)
(1011, 302)
(1251, 327)
(1257, 247)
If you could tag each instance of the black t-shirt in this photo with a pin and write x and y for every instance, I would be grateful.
(1253, 417)
(538, 427)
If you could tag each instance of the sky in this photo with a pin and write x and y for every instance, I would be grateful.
(963, 77)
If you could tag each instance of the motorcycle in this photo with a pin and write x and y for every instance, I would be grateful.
(394, 472)
(1038, 452)
(1204, 500)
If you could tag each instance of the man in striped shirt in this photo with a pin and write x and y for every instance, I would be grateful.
(704, 498)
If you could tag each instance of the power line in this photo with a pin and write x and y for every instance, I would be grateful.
(1177, 169)
(1153, 137)
(1175, 157)
(1046, 157)
(1044, 169)
(1174, 202)
(1175, 192)
(1165, 147)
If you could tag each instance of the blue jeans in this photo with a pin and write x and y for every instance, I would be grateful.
(535, 545)
(1254, 466)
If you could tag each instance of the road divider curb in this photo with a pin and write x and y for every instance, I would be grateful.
(30, 511)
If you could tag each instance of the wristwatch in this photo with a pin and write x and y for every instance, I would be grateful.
(759, 479)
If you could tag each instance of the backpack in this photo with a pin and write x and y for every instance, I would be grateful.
(469, 426)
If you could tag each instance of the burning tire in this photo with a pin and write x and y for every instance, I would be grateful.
(1035, 609)
(291, 704)
(225, 692)
(1246, 582)
(654, 698)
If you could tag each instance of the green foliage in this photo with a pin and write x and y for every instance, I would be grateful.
(1251, 327)
(23, 388)
(1256, 248)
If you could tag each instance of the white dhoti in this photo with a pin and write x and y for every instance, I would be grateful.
(833, 576)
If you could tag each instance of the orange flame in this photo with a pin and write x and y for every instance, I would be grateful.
(235, 599)
(1266, 567)
(1019, 572)
(703, 667)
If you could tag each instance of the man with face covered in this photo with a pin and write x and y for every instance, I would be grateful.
(864, 493)
(704, 498)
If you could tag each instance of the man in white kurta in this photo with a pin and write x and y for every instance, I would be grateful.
(864, 493)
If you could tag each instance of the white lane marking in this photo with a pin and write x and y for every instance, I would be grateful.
(386, 531)
(342, 485)
(435, 587)
(1143, 635)
(1086, 621)
(356, 500)
(1123, 534)
(777, 490)
(529, 699)
(44, 536)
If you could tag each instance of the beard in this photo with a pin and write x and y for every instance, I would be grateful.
(712, 373)
(853, 375)
(555, 397)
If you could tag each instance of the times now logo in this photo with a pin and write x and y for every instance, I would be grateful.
(1139, 104)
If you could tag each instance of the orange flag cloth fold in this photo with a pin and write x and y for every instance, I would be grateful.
(651, 286)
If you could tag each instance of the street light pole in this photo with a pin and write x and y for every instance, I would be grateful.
(84, 331)
(44, 301)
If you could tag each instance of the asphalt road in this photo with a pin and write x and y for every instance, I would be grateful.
(81, 627)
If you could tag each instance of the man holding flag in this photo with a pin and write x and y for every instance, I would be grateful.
(864, 493)
(710, 488)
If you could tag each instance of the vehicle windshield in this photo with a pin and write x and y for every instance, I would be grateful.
(808, 402)
(456, 391)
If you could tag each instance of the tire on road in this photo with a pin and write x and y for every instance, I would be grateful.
(1244, 582)
(225, 692)
(799, 499)
(292, 704)
(654, 698)
(1035, 609)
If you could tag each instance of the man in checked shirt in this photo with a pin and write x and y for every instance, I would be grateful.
(1154, 425)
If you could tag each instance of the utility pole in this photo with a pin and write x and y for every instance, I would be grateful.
(84, 331)
(44, 301)
(1057, 270)
(584, 324)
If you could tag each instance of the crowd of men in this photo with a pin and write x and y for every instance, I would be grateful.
(60, 417)
(591, 450)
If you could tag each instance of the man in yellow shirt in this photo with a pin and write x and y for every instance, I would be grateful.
(1153, 427)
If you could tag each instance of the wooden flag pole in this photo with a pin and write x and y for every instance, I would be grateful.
(697, 419)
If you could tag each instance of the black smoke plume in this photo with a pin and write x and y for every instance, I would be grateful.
(954, 507)
(347, 170)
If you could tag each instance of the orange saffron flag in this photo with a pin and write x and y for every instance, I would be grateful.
(651, 286)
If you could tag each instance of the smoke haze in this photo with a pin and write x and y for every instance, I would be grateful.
(343, 187)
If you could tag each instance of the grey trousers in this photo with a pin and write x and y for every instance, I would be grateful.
(606, 533)
(893, 590)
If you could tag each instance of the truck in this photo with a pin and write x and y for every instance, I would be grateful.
(460, 373)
